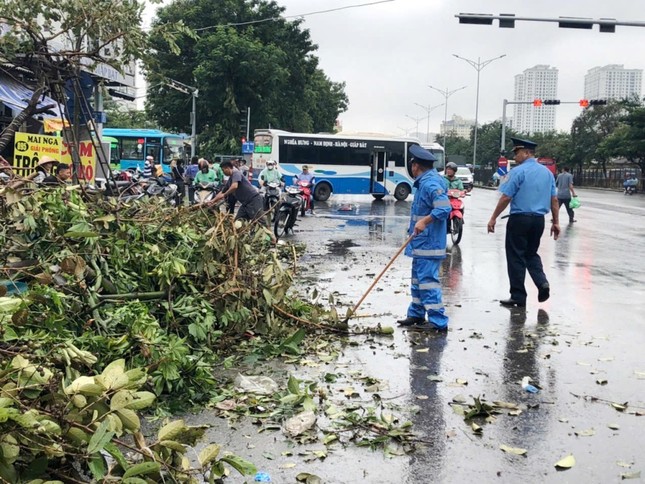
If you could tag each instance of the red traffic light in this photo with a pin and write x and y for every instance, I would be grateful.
(243, 139)
(537, 103)
(584, 103)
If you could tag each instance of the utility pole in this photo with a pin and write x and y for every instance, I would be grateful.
(446, 94)
(194, 92)
(478, 66)
(428, 109)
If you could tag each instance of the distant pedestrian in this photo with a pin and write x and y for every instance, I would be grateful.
(62, 174)
(189, 176)
(430, 211)
(564, 184)
(530, 190)
(177, 171)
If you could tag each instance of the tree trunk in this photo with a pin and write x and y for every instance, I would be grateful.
(30, 110)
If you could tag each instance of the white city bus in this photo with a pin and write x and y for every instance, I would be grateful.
(342, 163)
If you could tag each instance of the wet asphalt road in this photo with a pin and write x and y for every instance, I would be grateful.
(591, 331)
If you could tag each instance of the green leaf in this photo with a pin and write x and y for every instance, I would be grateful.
(293, 385)
(566, 463)
(114, 451)
(208, 454)
(141, 400)
(97, 466)
(242, 466)
(141, 469)
(171, 430)
(101, 437)
(513, 450)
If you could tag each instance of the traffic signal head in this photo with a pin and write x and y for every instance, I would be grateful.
(537, 103)
(584, 103)
(551, 102)
(597, 102)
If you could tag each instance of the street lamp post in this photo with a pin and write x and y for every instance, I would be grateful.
(194, 92)
(446, 94)
(478, 66)
(428, 109)
(416, 120)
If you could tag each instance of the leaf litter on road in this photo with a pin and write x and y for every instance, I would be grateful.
(566, 462)
(513, 450)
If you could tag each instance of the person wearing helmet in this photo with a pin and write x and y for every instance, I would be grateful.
(453, 182)
(270, 174)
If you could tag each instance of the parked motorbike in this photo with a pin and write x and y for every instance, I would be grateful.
(293, 200)
(205, 192)
(456, 217)
(160, 187)
(271, 197)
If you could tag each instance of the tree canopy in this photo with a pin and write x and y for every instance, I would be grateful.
(53, 41)
(240, 60)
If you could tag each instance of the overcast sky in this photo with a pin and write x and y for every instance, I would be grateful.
(388, 54)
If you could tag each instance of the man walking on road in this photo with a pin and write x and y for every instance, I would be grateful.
(530, 189)
(564, 184)
(430, 211)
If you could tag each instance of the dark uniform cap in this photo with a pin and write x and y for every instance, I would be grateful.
(523, 144)
(421, 155)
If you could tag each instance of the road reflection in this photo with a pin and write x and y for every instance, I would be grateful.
(521, 359)
(429, 423)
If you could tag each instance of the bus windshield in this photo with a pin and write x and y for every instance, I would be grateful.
(262, 143)
(173, 148)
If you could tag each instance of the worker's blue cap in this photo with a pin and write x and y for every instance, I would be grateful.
(421, 155)
(525, 144)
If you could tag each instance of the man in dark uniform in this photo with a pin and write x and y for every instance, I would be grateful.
(530, 189)
(430, 210)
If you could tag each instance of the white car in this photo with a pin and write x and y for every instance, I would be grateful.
(466, 177)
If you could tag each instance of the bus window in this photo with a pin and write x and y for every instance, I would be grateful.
(397, 156)
(131, 149)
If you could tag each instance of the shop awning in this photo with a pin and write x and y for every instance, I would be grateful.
(17, 96)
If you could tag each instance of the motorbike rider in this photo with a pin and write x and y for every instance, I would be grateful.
(310, 180)
(270, 175)
(631, 182)
(453, 182)
(205, 174)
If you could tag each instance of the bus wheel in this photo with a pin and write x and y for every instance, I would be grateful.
(378, 196)
(402, 191)
(322, 192)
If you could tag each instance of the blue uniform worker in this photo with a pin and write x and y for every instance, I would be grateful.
(530, 190)
(430, 211)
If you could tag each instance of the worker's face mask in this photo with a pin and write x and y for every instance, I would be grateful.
(269, 167)
(205, 169)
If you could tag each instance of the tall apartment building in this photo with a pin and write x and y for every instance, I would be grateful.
(538, 82)
(613, 81)
(458, 126)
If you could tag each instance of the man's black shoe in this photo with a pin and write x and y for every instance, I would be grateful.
(410, 321)
(512, 303)
(544, 292)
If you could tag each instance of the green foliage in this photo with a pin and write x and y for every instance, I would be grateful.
(628, 139)
(593, 126)
(267, 66)
(162, 289)
(62, 425)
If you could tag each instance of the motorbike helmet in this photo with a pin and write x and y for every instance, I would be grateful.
(452, 165)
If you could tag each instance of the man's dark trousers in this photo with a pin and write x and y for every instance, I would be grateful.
(566, 202)
(523, 233)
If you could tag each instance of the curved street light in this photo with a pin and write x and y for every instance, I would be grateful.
(478, 66)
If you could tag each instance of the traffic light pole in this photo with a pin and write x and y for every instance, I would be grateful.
(549, 102)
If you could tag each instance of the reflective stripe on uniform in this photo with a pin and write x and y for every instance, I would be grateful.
(430, 307)
(430, 285)
(416, 218)
(441, 203)
(415, 281)
(416, 300)
(428, 252)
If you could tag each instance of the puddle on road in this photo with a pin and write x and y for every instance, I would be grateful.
(341, 247)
